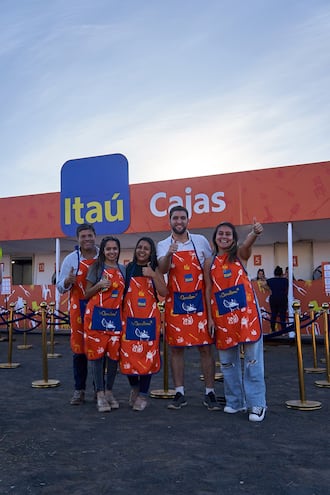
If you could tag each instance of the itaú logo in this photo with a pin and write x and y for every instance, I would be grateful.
(161, 203)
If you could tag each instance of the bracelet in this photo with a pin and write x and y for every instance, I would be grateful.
(255, 233)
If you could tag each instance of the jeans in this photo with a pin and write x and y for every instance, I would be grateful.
(98, 371)
(142, 382)
(244, 383)
(79, 371)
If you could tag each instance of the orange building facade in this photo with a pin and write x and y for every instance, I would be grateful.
(297, 194)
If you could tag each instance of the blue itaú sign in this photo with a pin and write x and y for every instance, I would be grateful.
(96, 191)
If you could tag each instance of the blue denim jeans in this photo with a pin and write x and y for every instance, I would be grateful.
(244, 383)
(80, 369)
(104, 372)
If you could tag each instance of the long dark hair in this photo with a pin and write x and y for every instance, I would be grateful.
(99, 264)
(153, 254)
(232, 252)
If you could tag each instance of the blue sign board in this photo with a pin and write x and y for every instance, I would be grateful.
(95, 190)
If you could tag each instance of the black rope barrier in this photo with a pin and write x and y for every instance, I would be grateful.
(291, 327)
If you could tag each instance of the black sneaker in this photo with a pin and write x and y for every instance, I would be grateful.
(211, 403)
(178, 401)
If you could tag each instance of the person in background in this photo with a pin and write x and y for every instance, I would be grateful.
(72, 278)
(139, 352)
(278, 299)
(234, 314)
(261, 279)
(103, 320)
(181, 256)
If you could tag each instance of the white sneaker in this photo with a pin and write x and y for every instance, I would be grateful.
(140, 404)
(103, 405)
(231, 410)
(257, 413)
(114, 404)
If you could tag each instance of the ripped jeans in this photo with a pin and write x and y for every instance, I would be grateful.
(244, 383)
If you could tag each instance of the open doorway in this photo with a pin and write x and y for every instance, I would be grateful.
(21, 271)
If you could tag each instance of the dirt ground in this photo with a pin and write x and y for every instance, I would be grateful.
(49, 447)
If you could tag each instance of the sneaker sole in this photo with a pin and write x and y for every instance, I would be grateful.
(211, 408)
(256, 419)
(172, 406)
(235, 412)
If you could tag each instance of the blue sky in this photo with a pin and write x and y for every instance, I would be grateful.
(182, 88)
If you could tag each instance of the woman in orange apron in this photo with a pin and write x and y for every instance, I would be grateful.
(103, 320)
(234, 314)
(139, 352)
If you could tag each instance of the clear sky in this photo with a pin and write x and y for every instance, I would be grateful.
(182, 88)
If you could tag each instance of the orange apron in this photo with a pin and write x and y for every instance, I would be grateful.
(234, 305)
(78, 306)
(103, 318)
(185, 311)
(139, 353)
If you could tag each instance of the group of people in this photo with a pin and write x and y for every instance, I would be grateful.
(209, 299)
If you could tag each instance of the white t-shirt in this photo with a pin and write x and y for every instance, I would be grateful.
(196, 242)
(70, 261)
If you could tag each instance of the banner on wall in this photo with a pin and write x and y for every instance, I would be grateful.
(96, 191)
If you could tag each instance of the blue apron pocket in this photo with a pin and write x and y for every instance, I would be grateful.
(141, 329)
(106, 319)
(188, 302)
(230, 299)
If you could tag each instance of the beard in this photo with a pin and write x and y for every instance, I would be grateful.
(180, 230)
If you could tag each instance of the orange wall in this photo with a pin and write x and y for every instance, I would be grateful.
(293, 193)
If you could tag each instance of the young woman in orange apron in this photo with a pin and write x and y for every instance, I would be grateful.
(139, 353)
(103, 320)
(234, 314)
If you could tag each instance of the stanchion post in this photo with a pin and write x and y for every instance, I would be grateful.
(25, 345)
(316, 369)
(10, 364)
(164, 393)
(301, 404)
(45, 383)
(325, 383)
(52, 327)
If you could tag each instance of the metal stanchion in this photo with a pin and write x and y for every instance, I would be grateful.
(9, 364)
(325, 383)
(302, 404)
(316, 369)
(45, 383)
(24, 346)
(52, 354)
(164, 393)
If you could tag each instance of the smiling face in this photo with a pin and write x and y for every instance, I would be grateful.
(111, 252)
(179, 222)
(224, 238)
(86, 240)
(143, 252)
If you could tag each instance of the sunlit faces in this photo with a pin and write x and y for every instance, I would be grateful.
(179, 222)
(143, 252)
(111, 252)
(224, 237)
(86, 239)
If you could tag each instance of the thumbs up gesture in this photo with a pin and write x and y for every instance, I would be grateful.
(71, 278)
(257, 228)
(148, 271)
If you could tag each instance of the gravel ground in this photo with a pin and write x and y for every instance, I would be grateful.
(49, 447)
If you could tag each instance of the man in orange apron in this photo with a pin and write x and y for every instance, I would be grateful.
(73, 278)
(181, 256)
